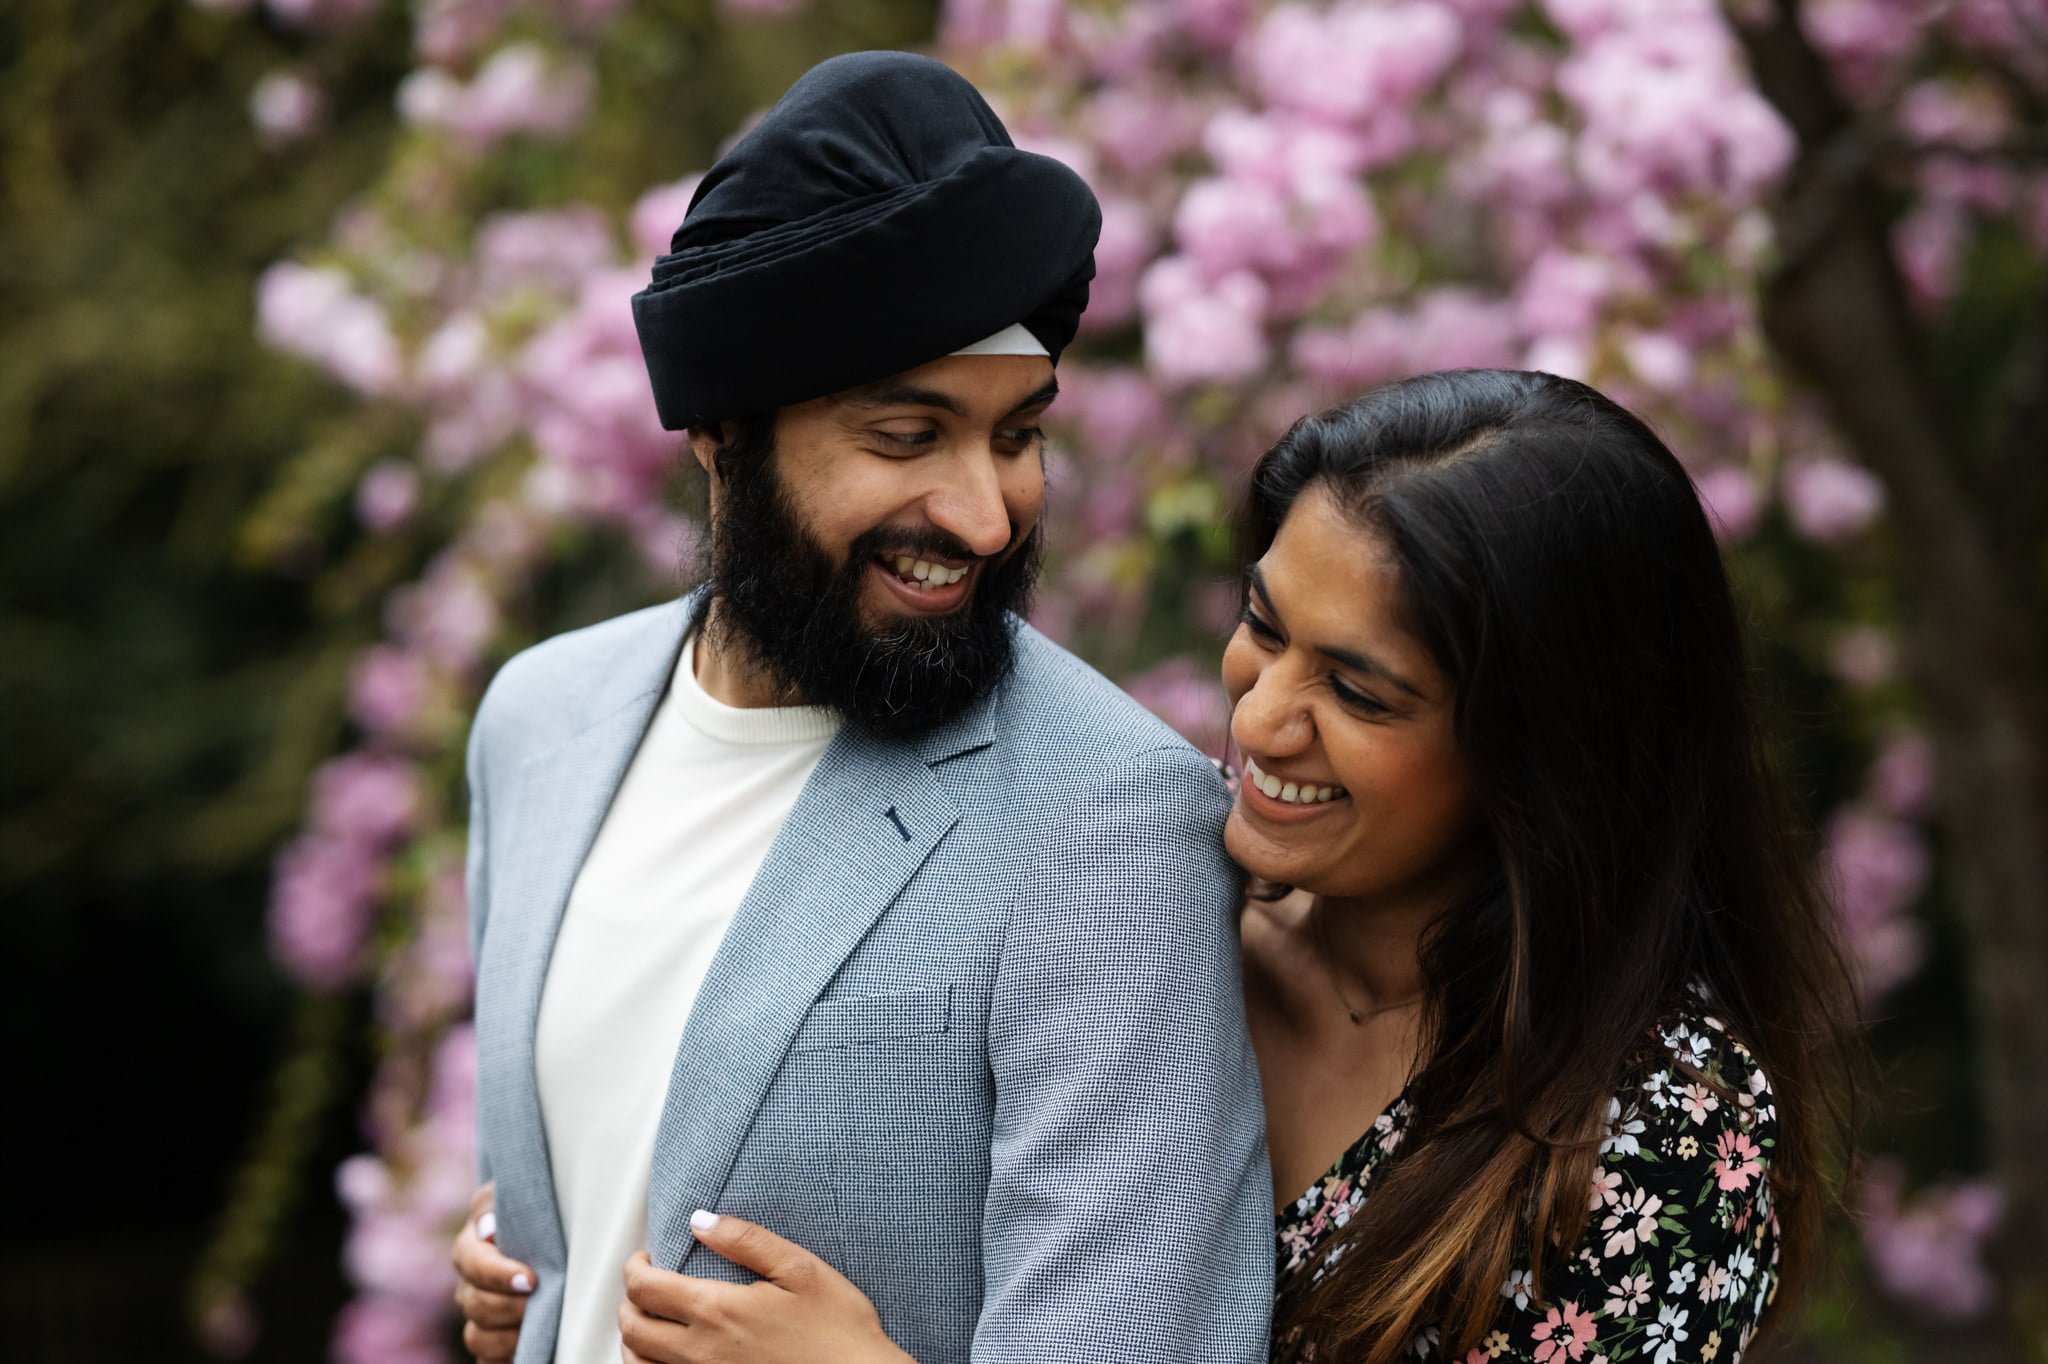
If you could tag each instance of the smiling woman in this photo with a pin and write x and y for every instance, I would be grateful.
(1540, 989)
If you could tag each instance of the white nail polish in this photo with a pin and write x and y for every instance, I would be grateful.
(701, 1220)
(521, 1284)
(487, 1227)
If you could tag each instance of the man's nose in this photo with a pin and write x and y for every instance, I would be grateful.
(970, 504)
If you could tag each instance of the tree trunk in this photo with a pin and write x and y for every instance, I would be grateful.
(1836, 311)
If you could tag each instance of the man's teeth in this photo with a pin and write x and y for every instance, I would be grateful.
(930, 574)
(1288, 792)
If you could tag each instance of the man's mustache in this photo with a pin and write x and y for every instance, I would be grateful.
(888, 542)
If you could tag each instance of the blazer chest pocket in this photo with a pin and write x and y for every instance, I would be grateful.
(875, 1020)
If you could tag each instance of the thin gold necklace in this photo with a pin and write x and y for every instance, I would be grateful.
(1357, 1016)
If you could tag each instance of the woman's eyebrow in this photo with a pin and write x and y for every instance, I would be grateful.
(1356, 659)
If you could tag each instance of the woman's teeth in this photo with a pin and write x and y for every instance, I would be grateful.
(920, 571)
(1288, 792)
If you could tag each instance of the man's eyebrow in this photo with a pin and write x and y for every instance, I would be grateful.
(907, 395)
(1041, 397)
(911, 395)
(1355, 659)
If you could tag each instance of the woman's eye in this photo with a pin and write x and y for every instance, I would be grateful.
(1258, 627)
(1021, 435)
(1356, 699)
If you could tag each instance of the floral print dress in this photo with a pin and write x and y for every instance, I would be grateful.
(1679, 1256)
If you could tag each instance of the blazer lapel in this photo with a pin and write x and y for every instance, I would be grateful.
(557, 802)
(868, 818)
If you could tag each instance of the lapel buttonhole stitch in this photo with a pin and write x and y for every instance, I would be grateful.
(897, 820)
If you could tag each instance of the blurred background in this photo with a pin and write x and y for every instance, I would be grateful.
(319, 397)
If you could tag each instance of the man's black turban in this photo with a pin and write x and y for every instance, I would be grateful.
(877, 218)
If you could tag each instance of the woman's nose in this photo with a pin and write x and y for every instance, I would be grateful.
(1269, 718)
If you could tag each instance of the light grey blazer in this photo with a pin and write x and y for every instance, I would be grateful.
(975, 1035)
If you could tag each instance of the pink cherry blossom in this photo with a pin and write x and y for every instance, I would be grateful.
(1139, 130)
(446, 31)
(1215, 336)
(1124, 249)
(387, 495)
(382, 1329)
(322, 898)
(659, 212)
(1901, 780)
(448, 616)
(314, 312)
(1831, 499)
(387, 689)
(519, 90)
(1352, 60)
(1927, 1249)
(556, 250)
(1875, 868)
(1187, 695)
(1732, 501)
(287, 106)
(366, 797)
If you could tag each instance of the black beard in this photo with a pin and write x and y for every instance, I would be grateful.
(795, 614)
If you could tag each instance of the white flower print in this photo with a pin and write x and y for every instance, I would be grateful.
(1520, 1286)
(1741, 1267)
(1657, 1089)
(1622, 1131)
(1667, 1330)
(1681, 1279)
(1634, 1218)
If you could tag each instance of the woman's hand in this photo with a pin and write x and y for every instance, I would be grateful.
(493, 1288)
(801, 1311)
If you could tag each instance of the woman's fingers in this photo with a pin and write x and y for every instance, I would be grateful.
(489, 1347)
(495, 1311)
(751, 1246)
(479, 1262)
(492, 1286)
(645, 1338)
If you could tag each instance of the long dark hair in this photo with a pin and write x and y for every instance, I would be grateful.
(1553, 557)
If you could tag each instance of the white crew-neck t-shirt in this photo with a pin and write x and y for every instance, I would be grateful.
(705, 796)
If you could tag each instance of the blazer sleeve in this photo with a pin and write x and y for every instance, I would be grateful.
(1129, 1211)
(476, 880)
(476, 864)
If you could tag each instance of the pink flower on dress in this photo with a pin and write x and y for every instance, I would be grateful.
(1564, 1334)
(1735, 1160)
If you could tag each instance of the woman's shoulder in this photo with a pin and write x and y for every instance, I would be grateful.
(1691, 1077)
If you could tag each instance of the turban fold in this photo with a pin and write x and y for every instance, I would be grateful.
(877, 218)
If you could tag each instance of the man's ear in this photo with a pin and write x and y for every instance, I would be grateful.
(704, 443)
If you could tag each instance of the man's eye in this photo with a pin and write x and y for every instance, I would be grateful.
(911, 438)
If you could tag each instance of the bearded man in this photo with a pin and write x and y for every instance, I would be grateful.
(832, 897)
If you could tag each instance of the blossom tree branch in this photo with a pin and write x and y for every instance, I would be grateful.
(1837, 309)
